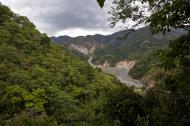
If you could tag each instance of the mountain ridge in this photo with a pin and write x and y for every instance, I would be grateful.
(127, 44)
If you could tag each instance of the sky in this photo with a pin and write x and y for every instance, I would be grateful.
(65, 17)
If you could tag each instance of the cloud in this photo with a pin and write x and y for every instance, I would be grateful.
(83, 32)
(56, 17)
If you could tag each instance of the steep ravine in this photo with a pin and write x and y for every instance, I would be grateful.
(90, 62)
(120, 70)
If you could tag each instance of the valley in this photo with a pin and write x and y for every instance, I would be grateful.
(116, 54)
(120, 71)
(116, 47)
(134, 77)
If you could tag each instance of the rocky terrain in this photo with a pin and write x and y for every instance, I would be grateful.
(128, 44)
(116, 54)
(120, 71)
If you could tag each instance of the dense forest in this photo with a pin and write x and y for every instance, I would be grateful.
(167, 102)
(42, 84)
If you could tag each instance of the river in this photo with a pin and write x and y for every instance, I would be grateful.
(120, 73)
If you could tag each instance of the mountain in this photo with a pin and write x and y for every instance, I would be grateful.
(42, 84)
(128, 44)
(118, 53)
(61, 39)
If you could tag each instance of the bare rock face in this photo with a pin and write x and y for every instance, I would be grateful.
(120, 71)
(92, 49)
(88, 51)
(127, 64)
(105, 65)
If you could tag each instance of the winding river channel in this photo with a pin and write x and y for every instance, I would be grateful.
(121, 73)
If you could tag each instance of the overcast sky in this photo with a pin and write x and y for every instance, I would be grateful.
(64, 17)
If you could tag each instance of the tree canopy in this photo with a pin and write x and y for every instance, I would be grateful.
(167, 103)
(43, 84)
(161, 15)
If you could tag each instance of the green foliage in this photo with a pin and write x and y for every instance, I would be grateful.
(125, 107)
(171, 93)
(24, 119)
(169, 14)
(167, 103)
(44, 84)
(101, 3)
(169, 100)
(113, 49)
(19, 98)
(110, 55)
(164, 14)
(145, 63)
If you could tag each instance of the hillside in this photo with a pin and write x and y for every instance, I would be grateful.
(42, 84)
(125, 47)
(119, 46)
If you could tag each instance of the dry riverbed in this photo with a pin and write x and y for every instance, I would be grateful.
(120, 71)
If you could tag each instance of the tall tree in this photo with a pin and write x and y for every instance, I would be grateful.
(162, 15)
(173, 77)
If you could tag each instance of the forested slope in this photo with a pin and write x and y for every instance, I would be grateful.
(41, 84)
(127, 44)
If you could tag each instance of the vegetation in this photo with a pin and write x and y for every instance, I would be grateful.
(132, 46)
(42, 84)
(167, 103)
(117, 46)
(145, 63)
